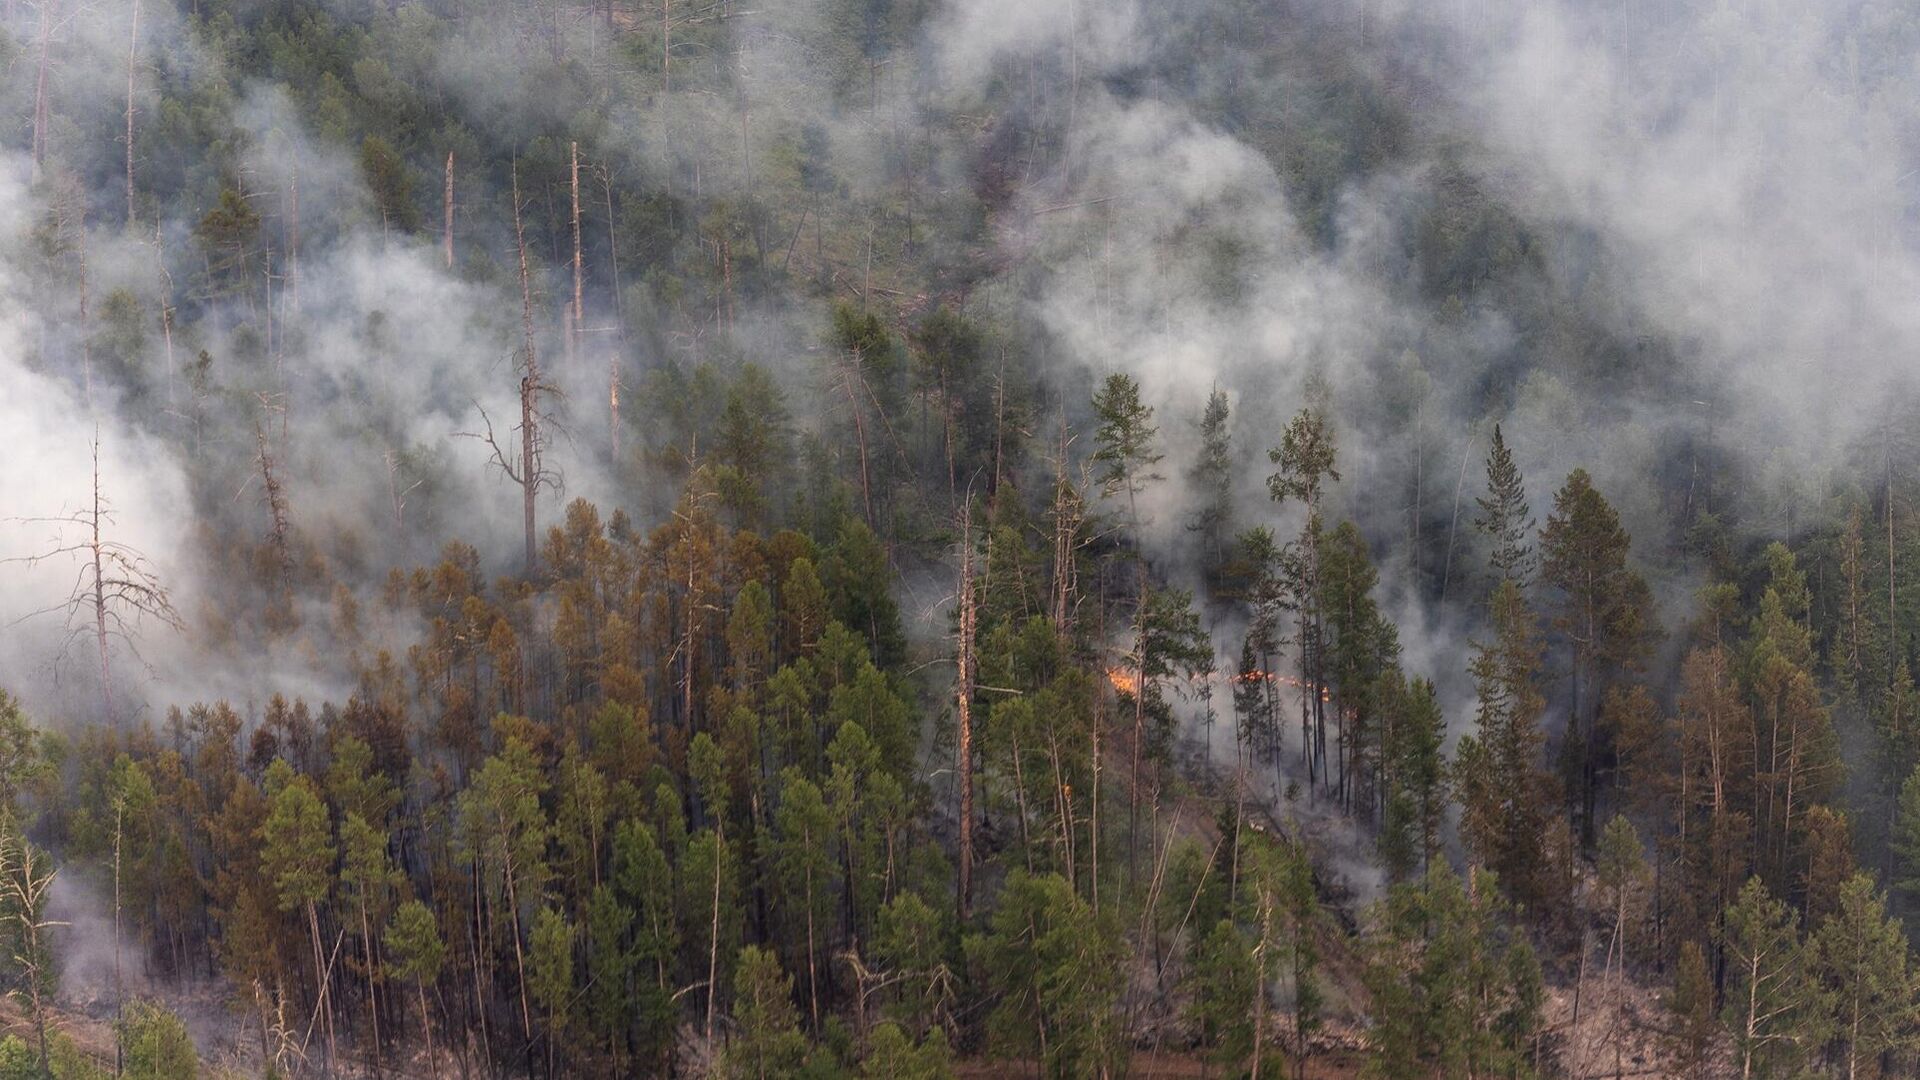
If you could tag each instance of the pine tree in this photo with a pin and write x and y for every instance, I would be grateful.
(550, 976)
(1127, 443)
(155, 1045)
(1504, 793)
(1414, 776)
(503, 830)
(1906, 839)
(892, 1056)
(1211, 477)
(367, 875)
(610, 969)
(1223, 980)
(1505, 518)
(415, 953)
(767, 1040)
(1692, 1025)
(1305, 460)
(1621, 868)
(1361, 645)
(296, 854)
(1771, 1007)
(1168, 643)
(1603, 611)
(1859, 957)
(1052, 968)
(802, 855)
(1455, 993)
(643, 883)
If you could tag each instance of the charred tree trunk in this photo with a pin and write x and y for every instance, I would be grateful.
(446, 201)
(133, 54)
(963, 692)
(529, 383)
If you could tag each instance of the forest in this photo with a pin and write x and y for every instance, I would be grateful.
(918, 539)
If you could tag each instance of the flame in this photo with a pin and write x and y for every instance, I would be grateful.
(1326, 693)
(1127, 681)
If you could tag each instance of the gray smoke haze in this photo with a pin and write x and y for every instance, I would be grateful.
(1730, 186)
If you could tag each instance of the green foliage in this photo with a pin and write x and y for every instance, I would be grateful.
(1505, 794)
(1772, 1007)
(154, 1044)
(414, 949)
(1867, 986)
(550, 968)
(1126, 440)
(1455, 991)
(891, 1055)
(1225, 981)
(767, 1040)
(17, 1059)
(1505, 518)
(1051, 968)
(296, 840)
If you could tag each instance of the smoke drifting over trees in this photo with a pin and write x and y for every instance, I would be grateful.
(534, 535)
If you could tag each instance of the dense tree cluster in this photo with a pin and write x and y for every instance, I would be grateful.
(866, 723)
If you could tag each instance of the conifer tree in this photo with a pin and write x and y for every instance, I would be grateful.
(892, 1056)
(803, 861)
(1052, 968)
(1505, 518)
(415, 953)
(610, 969)
(1305, 460)
(1859, 957)
(1413, 804)
(1128, 443)
(767, 1041)
(1602, 610)
(296, 854)
(1224, 980)
(643, 883)
(1689, 1004)
(1211, 476)
(1504, 793)
(550, 976)
(1771, 1007)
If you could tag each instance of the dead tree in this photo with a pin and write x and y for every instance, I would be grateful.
(278, 525)
(963, 699)
(25, 878)
(396, 493)
(133, 57)
(40, 88)
(114, 590)
(446, 232)
(528, 470)
(577, 323)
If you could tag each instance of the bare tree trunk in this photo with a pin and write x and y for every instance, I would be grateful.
(40, 90)
(426, 1027)
(133, 53)
(373, 1001)
(119, 813)
(860, 432)
(100, 594)
(519, 955)
(713, 930)
(320, 982)
(579, 264)
(964, 694)
(529, 382)
(446, 200)
(1093, 830)
(293, 238)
